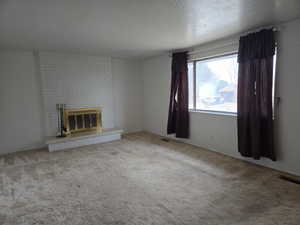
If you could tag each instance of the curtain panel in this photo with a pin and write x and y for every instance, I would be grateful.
(178, 119)
(255, 99)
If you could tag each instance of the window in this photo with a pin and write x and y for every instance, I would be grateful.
(213, 84)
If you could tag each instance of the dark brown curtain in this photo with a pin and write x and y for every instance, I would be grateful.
(178, 120)
(255, 83)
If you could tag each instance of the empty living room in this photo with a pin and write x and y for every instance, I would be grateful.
(149, 112)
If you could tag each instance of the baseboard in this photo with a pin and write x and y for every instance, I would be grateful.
(26, 148)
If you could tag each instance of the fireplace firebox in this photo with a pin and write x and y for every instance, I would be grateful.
(83, 119)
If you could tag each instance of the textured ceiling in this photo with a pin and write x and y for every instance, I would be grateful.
(132, 28)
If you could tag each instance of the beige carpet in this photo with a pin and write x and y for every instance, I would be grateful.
(142, 180)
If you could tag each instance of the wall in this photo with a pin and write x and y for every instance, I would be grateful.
(218, 132)
(32, 83)
(21, 110)
(128, 98)
(156, 77)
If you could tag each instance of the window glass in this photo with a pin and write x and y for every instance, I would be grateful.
(216, 84)
(191, 84)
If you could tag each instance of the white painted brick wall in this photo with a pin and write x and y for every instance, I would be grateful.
(78, 81)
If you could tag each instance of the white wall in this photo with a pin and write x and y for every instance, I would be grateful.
(218, 132)
(21, 110)
(156, 78)
(32, 83)
(128, 94)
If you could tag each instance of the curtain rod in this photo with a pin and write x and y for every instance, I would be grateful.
(274, 28)
(194, 50)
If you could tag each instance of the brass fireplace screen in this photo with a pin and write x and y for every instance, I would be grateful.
(85, 119)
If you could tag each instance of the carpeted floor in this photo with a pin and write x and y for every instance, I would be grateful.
(142, 180)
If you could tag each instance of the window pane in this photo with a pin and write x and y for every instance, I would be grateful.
(216, 84)
(191, 84)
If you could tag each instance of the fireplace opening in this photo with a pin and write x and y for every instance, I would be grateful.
(83, 119)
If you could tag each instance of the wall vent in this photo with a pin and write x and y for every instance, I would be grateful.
(165, 139)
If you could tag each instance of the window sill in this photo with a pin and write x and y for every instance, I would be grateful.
(213, 112)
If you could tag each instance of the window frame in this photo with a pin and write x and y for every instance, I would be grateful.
(214, 112)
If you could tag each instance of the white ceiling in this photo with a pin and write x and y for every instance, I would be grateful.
(132, 28)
